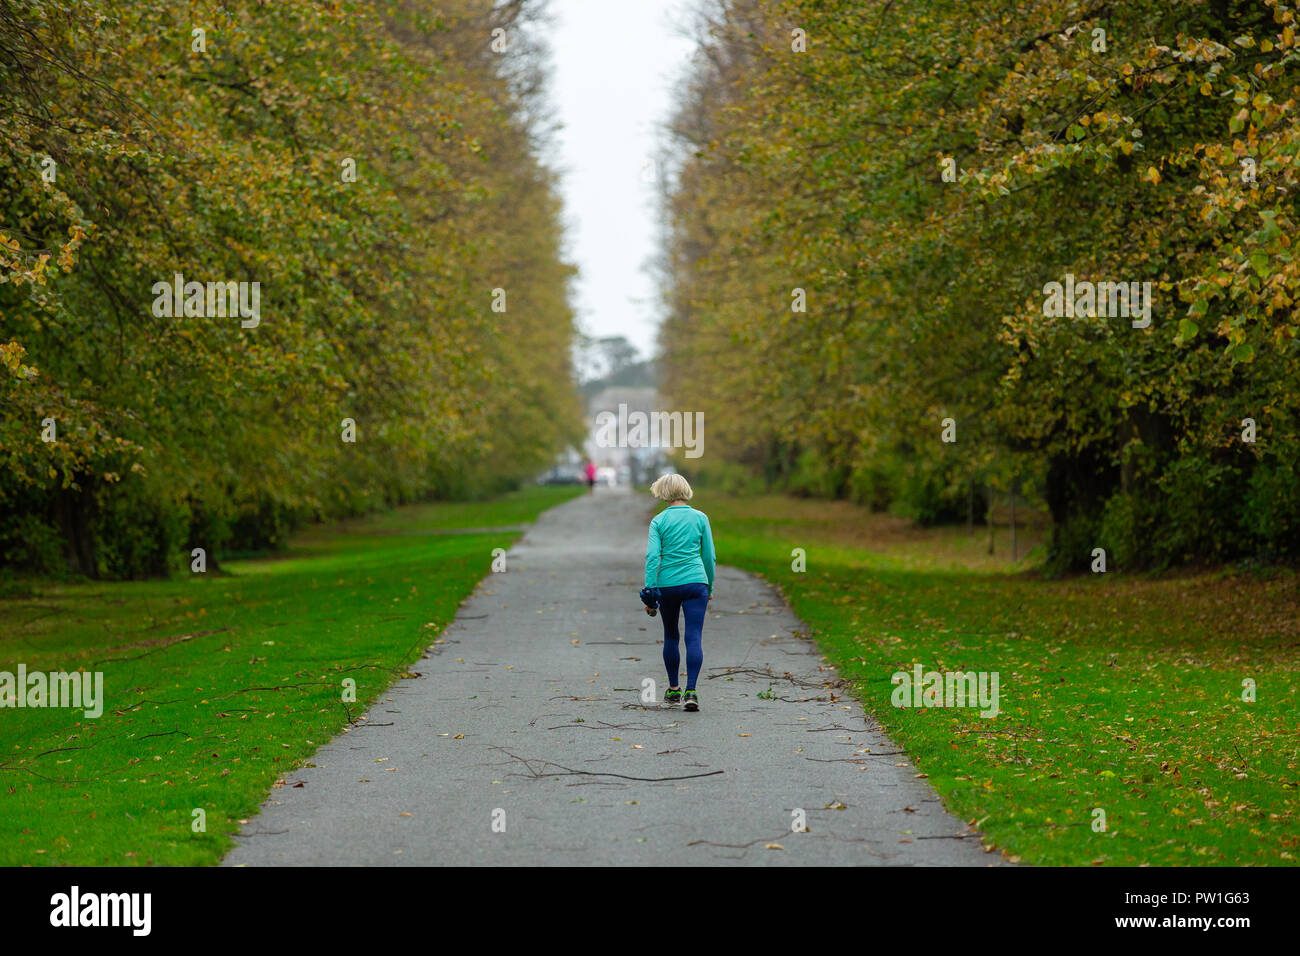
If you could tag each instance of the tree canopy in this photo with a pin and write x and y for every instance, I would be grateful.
(374, 168)
(916, 176)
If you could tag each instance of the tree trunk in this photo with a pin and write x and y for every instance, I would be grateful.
(1015, 554)
(988, 517)
(970, 506)
(74, 509)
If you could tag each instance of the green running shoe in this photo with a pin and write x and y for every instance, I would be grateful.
(673, 696)
(692, 700)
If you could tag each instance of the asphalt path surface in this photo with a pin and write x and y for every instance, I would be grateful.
(526, 741)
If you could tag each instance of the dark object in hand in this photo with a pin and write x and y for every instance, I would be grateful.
(650, 598)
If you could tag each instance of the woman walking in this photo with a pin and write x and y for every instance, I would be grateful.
(679, 565)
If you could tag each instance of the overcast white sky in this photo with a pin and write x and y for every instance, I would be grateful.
(615, 63)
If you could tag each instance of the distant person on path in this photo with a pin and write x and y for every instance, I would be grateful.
(591, 477)
(679, 565)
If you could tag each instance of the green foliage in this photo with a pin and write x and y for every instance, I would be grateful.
(726, 477)
(814, 476)
(230, 164)
(930, 492)
(138, 532)
(29, 543)
(1272, 508)
(1114, 161)
(1075, 538)
(1120, 534)
(1195, 516)
(872, 483)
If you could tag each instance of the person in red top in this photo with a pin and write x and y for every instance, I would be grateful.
(591, 476)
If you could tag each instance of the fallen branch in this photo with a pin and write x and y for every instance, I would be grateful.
(158, 644)
(570, 772)
(957, 836)
(739, 846)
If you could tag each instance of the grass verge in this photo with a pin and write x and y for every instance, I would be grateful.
(216, 686)
(1118, 693)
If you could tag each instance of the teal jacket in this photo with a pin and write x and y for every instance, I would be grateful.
(679, 549)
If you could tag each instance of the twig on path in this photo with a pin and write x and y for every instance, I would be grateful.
(955, 836)
(537, 774)
(602, 725)
(818, 730)
(661, 708)
(359, 720)
(739, 846)
(855, 758)
(767, 674)
(533, 722)
(863, 841)
(598, 783)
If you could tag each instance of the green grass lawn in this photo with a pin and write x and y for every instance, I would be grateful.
(219, 685)
(1122, 693)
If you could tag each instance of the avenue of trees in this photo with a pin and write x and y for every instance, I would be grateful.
(873, 199)
(372, 167)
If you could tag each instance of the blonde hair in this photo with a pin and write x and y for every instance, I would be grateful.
(672, 488)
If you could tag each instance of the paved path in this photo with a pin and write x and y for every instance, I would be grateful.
(532, 707)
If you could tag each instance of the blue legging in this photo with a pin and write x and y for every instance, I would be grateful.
(694, 600)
